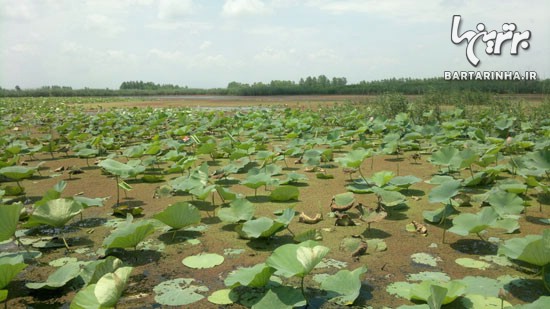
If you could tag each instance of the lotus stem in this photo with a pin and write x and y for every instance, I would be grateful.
(117, 191)
(65, 242)
(304, 291)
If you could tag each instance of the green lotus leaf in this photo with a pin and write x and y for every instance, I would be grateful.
(437, 215)
(389, 198)
(382, 178)
(59, 278)
(9, 217)
(293, 177)
(344, 199)
(539, 159)
(87, 153)
(533, 249)
(283, 297)
(55, 213)
(467, 223)
(93, 271)
(255, 276)
(262, 227)
(445, 156)
(541, 302)
(121, 169)
(201, 193)
(444, 192)
(203, 260)
(222, 297)
(178, 292)
(354, 158)
(256, 181)
(284, 193)
(86, 202)
(238, 210)
(404, 181)
(344, 286)
(506, 203)
(17, 172)
(179, 215)
(110, 286)
(285, 258)
(442, 293)
(10, 266)
(129, 234)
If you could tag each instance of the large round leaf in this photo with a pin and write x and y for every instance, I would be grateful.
(255, 276)
(467, 223)
(179, 215)
(344, 286)
(109, 288)
(239, 210)
(129, 234)
(59, 278)
(506, 203)
(55, 213)
(178, 292)
(17, 172)
(296, 259)
(9, 268)
(9, 217)
(121, 169)
(444, 192)
(534, 249)
(203, 260)
(284, 193)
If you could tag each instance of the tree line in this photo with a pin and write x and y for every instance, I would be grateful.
(311, 85)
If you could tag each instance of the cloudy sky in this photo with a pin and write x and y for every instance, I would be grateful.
(100, 44)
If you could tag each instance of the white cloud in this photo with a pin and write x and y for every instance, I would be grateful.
(18, 10)
(167, 55)
(174, 9)
(205, 45)
(244, 7)
(103, 25)
(193, 27)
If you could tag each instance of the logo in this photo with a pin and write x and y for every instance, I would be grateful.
(493, 40)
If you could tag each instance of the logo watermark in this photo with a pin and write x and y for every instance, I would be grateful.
(493, 40)
(490, 75)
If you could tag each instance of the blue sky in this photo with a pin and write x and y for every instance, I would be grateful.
(100, 44)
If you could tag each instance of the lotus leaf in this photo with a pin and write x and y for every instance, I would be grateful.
(404, 181)
(93, 271)
(382, 178)
(55, 213)
(506, 203)
(289, 261)
(239, 210)
(446, 292)
(467, 223)
(255, 276)
(105, 293)
(283, 297)
(178, 292)
(344, 199)
(354, 158)
(437, 215)
(59, 278)
(129, 234)
(222, 297)
(344, 286)
(10, 266)
(533, 249)
(17, 172)
(389, 198)
(179, 215)
(121, 169)
(203, 260)
(444, 192)
(262, 227)
(9, 217)
(284, 193)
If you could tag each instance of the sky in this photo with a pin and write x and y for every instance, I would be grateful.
(207, 44)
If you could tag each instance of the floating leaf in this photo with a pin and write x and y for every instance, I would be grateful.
(471, 263)
(178, 292)
(222, 297)
(203, 260)
(449, 292)
(474, 301)
(424, 258)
